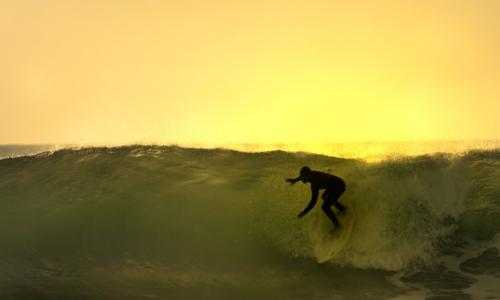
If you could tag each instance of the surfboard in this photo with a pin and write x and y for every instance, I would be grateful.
(327, 243)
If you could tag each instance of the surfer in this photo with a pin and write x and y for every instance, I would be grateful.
(334, 187)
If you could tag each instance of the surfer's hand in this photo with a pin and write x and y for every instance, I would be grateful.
(290, 180)
(301, 214)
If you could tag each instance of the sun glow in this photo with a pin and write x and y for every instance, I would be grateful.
(238, 71)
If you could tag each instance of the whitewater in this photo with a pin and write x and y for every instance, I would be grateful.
(169, 222)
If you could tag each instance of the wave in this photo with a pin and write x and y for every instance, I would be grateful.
(216, 209)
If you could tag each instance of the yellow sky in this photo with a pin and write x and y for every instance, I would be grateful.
(248, 71)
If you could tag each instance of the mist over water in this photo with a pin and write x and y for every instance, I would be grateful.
(371, 151)
(155, 222)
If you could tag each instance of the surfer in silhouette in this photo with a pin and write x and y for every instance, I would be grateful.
(334, 187)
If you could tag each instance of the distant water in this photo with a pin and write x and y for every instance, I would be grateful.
(166, 222)
(23, 150)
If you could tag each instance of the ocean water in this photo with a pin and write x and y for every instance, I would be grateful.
(167, 222)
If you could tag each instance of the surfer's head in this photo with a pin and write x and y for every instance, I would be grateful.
(305, 174)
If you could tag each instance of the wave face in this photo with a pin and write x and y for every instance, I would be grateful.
(204, 214)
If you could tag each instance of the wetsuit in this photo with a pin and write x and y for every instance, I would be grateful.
(334, 187)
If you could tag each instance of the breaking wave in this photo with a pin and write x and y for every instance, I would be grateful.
(216, 209)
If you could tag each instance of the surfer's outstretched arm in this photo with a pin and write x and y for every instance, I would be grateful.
(314, 198)
(293, 180)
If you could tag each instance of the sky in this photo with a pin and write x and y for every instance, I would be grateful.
(271, 71)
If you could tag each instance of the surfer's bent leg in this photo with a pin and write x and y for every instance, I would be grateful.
(327, 208)
(334, 198)
(339, 206)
